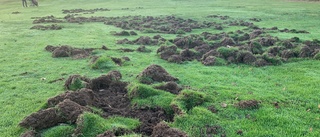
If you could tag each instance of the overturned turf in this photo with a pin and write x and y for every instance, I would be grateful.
(106, 92)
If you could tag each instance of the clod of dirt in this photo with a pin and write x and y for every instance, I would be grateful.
(126, 58)
(255, 33)
(124, 41)
(126, 50)
(16, 12)
(70, 110)
(42, 119)
(166, 51)
(248, 104)
(175, 59)
(76, 82)
(143, 49)
(47, 27)
(47, 19)
(286, 54)
(188, 55)
(163, 130)
(239, 132)
(209, 61)
(84, 97)
(305, 52)
(145, 41)
(122, 33)
(68, 51)
(268, 41)
(30, 133)
(171, 87)
(213, 109)
(107, 134)
(155, 73)
(118, 61)
(104, 47)
(64, 112)
(133, 33)
(105, 81)
(84, 11)
(255, 19)
(246, 57)
(215, 130)
(227, 42)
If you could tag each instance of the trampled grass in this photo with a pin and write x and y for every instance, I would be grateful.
(26, 68)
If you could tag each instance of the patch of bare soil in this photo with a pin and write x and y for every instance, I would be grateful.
(214, 131)
(85, 11)
(248, 104)
(106, 92)
(68, 51)
(155, 73)
(16, 12)
(143, 49)
(47, 19)
(143, 40)
(47, 27)
(163, 130)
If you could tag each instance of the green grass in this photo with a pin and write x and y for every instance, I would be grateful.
(26, 68)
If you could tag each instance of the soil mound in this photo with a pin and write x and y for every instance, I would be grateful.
(209, 61)
(68, 51)
(155, 73)
(30, 133)
(47, 19)
(143, 49)
(170, 86)
(163, 130)
(167, 51)
(66, 111)
(84, 11)
(47, 27)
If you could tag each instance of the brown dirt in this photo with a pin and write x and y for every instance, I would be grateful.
(143, 49)
(84, 11)
(47, 19)
(47, 27)
(126, 50)
(118, 61)
(166, 51)
(188, 55)
(248, 104)
(286, 54)
(155, 73)
(226, 41)
(209, 61)
(305, 52)
(16, 12)
(30, 133)
(246, 58)
(175, 59)
(171, 87)
(213, 109)
(122, 33)
(255, 33)
(68, 51)
(106, 92)
(214, 131)
(65, 111)
(163, 130)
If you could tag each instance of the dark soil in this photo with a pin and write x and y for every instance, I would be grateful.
(16, 12)
(84, 11)
(47, 27)
(143, 49)
(170, 86)
(155, 73)
(47, 19)
(209, 61)
(215, 131)
(30, 133)
(118, 61)
(248, 104)
(122, 33)
(65, 111)
(106, 92)
(163, 130)
(68, 51)
(213, 109)
(126, 50)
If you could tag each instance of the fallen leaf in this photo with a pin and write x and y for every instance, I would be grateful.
(319, 106)
(310, 129)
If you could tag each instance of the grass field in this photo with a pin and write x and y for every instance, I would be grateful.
(26, 68)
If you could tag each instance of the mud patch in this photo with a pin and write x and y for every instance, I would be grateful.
(47, 19)
(248, 104)
(85, 11)
(47, 27)
(163, 130)
(155, 73)
(68, 51)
